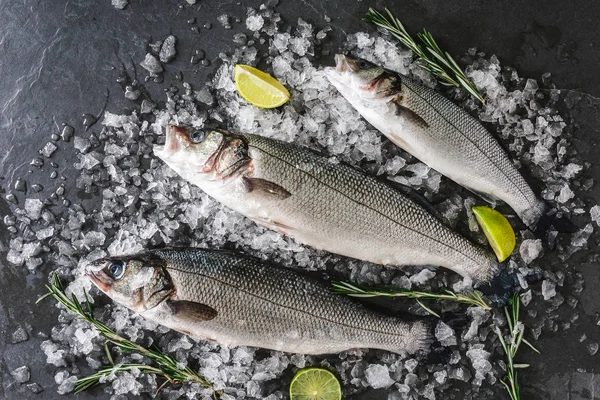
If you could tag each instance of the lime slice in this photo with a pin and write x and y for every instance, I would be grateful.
(315, 384)
(259, 88)
(498, 231)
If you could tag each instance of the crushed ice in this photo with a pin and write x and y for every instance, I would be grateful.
(145, 205)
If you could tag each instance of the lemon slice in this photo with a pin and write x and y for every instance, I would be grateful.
(259, 88)
(315, 384)
(498, 231)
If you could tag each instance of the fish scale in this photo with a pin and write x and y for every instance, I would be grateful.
(362, 211)
(473, 145)
(436, 131)
(327, 205)
(268, 306)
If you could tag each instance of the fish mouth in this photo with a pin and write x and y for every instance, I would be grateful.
(334, 74)
(341, 65)
(99, 279)
(177, 139)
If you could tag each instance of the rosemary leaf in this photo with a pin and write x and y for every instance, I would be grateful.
(439, 63)
(166, 366)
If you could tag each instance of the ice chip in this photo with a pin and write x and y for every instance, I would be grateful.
(445, 334)
(151, 64)
(530, 250)
(548, 289)
(255, 22)
(378, 376)
(21, 374)
(33, 208)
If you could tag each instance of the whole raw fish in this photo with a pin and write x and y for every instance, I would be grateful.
(239, 300)
(323, 204)
(436, 131)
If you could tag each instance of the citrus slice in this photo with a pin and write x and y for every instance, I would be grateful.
(259, 88)
(315, 384)
(498, 231)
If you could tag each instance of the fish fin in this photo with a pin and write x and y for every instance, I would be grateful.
(409, 114)
(192, 312)
(416, 197)
(488, 198)
(265, 188)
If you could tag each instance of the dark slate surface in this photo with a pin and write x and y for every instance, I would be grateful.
(59, 58)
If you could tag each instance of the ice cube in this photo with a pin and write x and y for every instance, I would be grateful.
(378, 376)
(526, 298)
(151, 64)
(548, 289)
(479, 360)
(530, 250)
(445, 334)
(21, 374)
(422, 277)
(120, 4)
(255, 22)
(167, 50)
(33, 208)
(48, 149)
(595, 214)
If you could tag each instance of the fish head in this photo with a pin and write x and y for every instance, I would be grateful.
(190, 149)
(358, 77)
(138, 283)
(203, 154)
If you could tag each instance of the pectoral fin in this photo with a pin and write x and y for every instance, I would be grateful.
(192, 312)
(267, 189)
(409, 114)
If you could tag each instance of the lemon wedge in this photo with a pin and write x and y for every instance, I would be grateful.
(315, 384)
(497, 230)
(259, 88)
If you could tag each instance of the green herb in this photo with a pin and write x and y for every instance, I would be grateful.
(166, 366)
(472, 298)
(516, 331)
(431, 57)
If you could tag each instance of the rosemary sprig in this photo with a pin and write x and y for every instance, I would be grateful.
(516, 331)
(432, 58)
(166, 366)
(472, 298)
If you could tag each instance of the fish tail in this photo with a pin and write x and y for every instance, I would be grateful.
(498, 289)
(423, 336)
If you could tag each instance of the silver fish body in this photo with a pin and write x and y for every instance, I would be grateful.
(322, 204)
(239, 300)
(436, 131)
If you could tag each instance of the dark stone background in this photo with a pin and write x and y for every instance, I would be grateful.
(58, 58)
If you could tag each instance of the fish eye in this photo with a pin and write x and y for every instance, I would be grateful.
(116, 269)
(197, 136)
(363, 64)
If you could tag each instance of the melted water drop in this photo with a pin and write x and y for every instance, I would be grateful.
(37, 162)
(67, 132)
(21, 185)
(89, 120)
(12, 198)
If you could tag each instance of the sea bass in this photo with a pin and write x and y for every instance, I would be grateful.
(327, 205)
(436, 131)
(238, 300)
